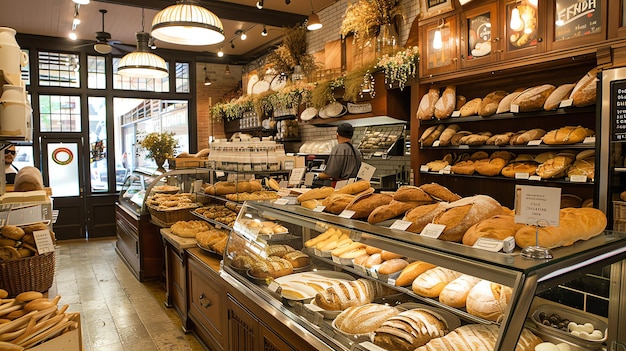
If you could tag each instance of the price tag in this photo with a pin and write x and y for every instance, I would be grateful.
(534, 142)
(340, 184)
(296, 176)
(566, 103)
(424, 168)
(432, 230)
(309, 178)
(360, 269)
(444, 171)
(391, 281)
(282, 192)
(282, 201)
(317, 252)
(319, 208)
(537, 205)
(374, 272)
(578, 178)
(514, 108)
(509, 244)
(521, 175)
(219, 174)
(436, 143)
(283, 184)
(456, 113)
(346, 214)
(401, 225)
(366, 171)
(489, 244)
(534, 177)
(43, 241)
(589, 140)
(336, 259)
(274, 286)
(464, 147)
(197, 185)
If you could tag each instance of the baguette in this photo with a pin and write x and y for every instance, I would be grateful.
(364, 205)
(391, 210)
(574, 224)
(455, 293)
(412, 271)
(319, 193)
(488, 300)
(353, 253)
(431, 282)
(328, 245)
(323, 236)
(350, 247)
(392, 266)
(354, 188)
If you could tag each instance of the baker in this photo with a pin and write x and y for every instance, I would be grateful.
(344, 160)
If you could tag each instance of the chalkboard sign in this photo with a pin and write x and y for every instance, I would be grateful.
(577, 18)
(618, 110)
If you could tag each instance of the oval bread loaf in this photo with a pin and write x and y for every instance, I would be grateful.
(431, 282)
(559, 94)
(392, 266)
(363, 319)
(488, 300)
(412, 271)
(446, 103)
(426, 109)
(431, 134)
(489, 104)
(459, 215)
(533, 99)
(505, 104)
(497, 227)
(470, 108)
(584, 93)
(455, 293)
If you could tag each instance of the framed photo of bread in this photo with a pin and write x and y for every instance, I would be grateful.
(430, 8)
(440, 49)
(576, 22)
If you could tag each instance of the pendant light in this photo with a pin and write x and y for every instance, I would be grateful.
(207, 81)
(142, 63)
(516, 20)
(187, 23)
(437, 40)
(313, 22)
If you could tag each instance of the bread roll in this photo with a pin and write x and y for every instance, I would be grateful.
(319, 193)
(584, 93)
(559, 94)
(489, 104)
(364, 319)
(392, 266)
(497, 227)
(505, 104)
(346, 294)
(310, 204)
(389, 255)
(439, 192)
(574, 224)
(431, 134)
(479, 155)
(567, 135)
(426, 109)
(511, 169)
(372, 249)
(364, 205)
(422, 215)
(470, 108)
(446, 103)
(373, 260)
(412, 271)
(12, 232)
(533, 134)
(408, 330)
(360, 261)
(488, 300)
(354, 188)
(478, 337)
(446, 136)
(455, 293)
(533, 99)
(459, 215)
(431, 282)
(389, 211)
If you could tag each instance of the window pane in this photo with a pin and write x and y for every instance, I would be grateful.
(23, 156)
(59, 113)
(97, 144)
(96, 72)
(160, 85)
(182, 77)
(59, 69)
(26, 69)
(63, 163)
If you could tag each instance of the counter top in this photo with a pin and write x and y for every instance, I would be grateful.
(178, 242)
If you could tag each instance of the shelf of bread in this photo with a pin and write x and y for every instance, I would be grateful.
(376, 268)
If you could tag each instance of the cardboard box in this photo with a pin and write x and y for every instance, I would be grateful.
(290, 162)
(70, 341)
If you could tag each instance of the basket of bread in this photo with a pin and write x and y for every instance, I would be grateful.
(22, 268)
(167, 209)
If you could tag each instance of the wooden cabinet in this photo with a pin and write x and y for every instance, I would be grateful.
(139, 244)
(480, 35)
(439, 45)
(176, 274)
(573, 23)
(523, 29)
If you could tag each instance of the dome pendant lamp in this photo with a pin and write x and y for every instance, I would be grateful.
(142, 63)
(187, 23)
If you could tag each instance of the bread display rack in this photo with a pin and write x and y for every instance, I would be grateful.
(525, 277)
(382, 141)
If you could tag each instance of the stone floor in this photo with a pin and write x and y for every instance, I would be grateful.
(118, 313)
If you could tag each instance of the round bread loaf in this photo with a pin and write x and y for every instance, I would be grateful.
(554, 168)
(585, 167)
(363, 319)
(454, 294)
(409, 329)
(488, 300)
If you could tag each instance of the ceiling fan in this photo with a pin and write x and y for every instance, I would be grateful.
(104, 44)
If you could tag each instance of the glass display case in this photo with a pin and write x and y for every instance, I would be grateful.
(262, 229)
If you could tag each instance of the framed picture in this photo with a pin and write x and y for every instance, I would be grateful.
(574, 19)
(430, 8)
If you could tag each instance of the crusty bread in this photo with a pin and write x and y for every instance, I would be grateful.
(574, 224)
(489, 104)
(478, 337)
(460, 101)
(488, 300)
(470, 108)
(463, 167)
(511, 169)
(439, 192)
(392, 266)
(533, 99)
(422, 215)
(584, 93)
(431, 282)
(490, 167)
(456, 139)
(559, 94)
(354, 188)
(336, 203)
(426, 109)
(391, 210)
(410, 193)
(319, 193)
(272, 266)
(446, 103)
(505, 104)
(365, 204)
(408, 330)
(364, 319)
(567, 135)
(342, 295)
(373, 260)
(584, 167)
(298, 259)
(497, 227)
(412, 271)
(431, 134)
(455, 293)
(527, 136)
(459, 215)
(446, 136)
(555, 167)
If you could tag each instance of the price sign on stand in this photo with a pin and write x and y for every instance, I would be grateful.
(296, 176)
(366, 171)
(535, 204)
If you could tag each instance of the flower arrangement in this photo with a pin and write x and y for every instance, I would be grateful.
(399, 67)
(159, 147)
(232, 109)
(292, 53)
(365, 17)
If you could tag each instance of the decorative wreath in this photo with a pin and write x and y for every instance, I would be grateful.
(64, 151)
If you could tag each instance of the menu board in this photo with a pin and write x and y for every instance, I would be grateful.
(618, 110)
(479, 35)
(577, 18)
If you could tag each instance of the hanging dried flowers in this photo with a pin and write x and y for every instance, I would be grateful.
(292, 53)
(365, 17)
(400, 67)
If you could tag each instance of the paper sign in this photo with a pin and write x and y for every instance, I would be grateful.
(566, 103)
(579, 178)
(197, 185)
(219, 174)
(282, 201)
(282, 192)
(489, 244)
(346, 214)
(589, 140)
(296, 176)
(534, 177)
(514, 108)
(283, 184)
(534, 142)
(537, 205)
(401, 225)
(366, 171)
(521, 175)
(432, 230)
(43, 241)
(319, 208)
(309, 178)
(436, 143)
(340, 184)
(424, 168)
(456, 113)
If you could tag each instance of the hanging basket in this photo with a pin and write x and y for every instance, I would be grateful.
(34, 273)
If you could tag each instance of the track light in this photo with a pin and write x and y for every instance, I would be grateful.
(264, 32)
(72, 35)
(207, 81)
(259, 4)
(220, 53)
(240, 33)
(244, 36)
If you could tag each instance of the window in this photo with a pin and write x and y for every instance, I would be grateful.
(96, 72)
(98, 144)
(160, 85)
(182, 77)
(26, 69)
(59, 69)
(58, 113)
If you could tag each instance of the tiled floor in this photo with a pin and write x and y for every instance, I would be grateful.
(117, 311)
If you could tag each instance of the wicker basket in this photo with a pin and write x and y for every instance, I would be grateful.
(34, 273)
(619, 210)
(168, 217)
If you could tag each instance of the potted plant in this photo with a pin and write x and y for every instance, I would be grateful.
(159, 147)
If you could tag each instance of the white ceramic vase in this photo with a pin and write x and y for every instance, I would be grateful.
(12, 59)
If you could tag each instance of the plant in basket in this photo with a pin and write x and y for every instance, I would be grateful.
(159, 147)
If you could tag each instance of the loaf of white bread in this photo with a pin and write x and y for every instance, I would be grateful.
(346, 294)
(454, 294)
(574, 224)
(409, 329)
(364, 319)
(478, 337)
(459, 215)
(488, 300)
(497, 227)
(431, 282)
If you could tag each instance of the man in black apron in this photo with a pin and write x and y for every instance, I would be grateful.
(344, 160)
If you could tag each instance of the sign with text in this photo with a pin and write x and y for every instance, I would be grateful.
(296, 176)
(618, 110)
(537, 205)
(366, 171)
(577, 18)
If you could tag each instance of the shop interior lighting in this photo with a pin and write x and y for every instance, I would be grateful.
(313, 22)
(232, 45)
(264, 32)
(516, 20)
(187, 23)
(81, 2)
(73, 35)
(241, 34)
(207, 81)
(437, 41)
(220, 53)
(227, 70)
(259, 4)
(142, 63)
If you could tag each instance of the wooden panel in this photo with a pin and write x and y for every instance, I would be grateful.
(271, 341)
(102, 216)
(242, 328)
(206, 304)
(332, 54)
